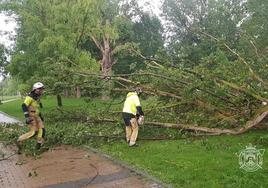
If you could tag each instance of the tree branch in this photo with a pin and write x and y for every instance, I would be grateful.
(97, 43)
(254, 75)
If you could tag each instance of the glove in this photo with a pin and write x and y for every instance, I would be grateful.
(28, 120)
(141, 120)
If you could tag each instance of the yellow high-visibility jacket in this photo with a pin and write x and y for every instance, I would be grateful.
(131, 103)
(29, 101)
(31, 104)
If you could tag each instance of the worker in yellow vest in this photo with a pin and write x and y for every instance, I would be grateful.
(33, 117)
(133, 116)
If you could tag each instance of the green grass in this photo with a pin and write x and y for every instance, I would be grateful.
(13, 108)
(204, 162)
(209, 162)
(4, 98)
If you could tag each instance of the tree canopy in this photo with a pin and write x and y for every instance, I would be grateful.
(207, 58)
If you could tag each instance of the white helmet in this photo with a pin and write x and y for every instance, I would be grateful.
(38, 85)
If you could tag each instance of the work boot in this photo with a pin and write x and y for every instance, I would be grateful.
(19, 145)
(134, 145)
(38, 146)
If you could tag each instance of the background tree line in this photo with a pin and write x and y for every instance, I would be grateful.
(205, 60)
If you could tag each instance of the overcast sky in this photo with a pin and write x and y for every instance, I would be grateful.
(8, 25)
(7, 29)
(152, 6)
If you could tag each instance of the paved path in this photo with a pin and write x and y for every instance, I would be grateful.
(66, 167)
(6, 119)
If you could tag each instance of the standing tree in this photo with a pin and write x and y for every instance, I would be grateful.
(3, 59)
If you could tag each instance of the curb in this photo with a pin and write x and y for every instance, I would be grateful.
(156, 182)
(18, 121)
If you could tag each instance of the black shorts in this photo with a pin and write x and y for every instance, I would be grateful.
(127, 117)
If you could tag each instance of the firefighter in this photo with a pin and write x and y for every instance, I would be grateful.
(33, 116)
(132, 114)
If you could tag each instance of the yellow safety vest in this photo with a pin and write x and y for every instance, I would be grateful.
(131, 103)
(32, 104)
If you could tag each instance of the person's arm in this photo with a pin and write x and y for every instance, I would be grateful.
(40, 104)
(41, 116)
(138, 106)
(140, 112)
(25, 110)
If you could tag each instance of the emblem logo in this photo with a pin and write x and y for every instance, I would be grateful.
(250, 159)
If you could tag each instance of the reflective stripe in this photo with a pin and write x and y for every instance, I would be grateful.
(32, 133)
(40, 133)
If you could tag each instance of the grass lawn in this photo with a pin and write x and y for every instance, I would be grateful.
(192, 163)
(208, 162)
(4, 98)
(14, 108)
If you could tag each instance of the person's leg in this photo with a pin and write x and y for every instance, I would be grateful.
(128, 133)
(31, 133)
(128, 128)
(135, 130)
(41, 133)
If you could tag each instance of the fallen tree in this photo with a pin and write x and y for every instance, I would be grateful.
(254, 122)
(215, 131)
(229, 112)
(225, 93)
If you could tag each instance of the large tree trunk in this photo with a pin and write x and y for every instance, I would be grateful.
(59, 100)
(216, 131)
(78, 92)
(106, 68)
(66, 93)
(255, 122)
(106, 62)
